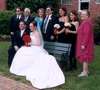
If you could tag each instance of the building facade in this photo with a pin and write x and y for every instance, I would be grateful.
(92, 5)
(2, 5)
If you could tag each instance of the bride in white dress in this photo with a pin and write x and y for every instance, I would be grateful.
(34, 62)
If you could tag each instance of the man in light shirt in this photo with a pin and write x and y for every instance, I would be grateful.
(48, 24)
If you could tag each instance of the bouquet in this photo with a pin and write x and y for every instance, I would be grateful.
(56, 30)
(27, 40)
(57, 26)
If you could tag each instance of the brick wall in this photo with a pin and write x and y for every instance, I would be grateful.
(2, 4)
(94, 8)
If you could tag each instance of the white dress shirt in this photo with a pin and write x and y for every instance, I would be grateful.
(22, 32)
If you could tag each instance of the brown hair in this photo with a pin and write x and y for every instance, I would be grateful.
(64, 9)
(76, 14)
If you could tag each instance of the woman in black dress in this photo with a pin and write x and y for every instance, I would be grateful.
(71, 34)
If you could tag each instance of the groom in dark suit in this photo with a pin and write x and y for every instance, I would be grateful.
(18, 41)
(15, 19)
(48, 24)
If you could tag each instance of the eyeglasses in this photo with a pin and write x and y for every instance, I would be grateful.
(48, 9)
(17, 10)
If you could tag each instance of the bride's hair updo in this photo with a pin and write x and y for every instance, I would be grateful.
(33, 26)
(34, 23)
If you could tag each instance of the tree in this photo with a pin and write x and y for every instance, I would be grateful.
(32, 4)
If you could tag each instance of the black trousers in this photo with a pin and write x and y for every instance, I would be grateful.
(11, 53)
(72, 58)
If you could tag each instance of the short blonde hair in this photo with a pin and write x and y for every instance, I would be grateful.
(27, 10)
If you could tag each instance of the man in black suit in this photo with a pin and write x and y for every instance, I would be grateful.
(14, 23)
(48, 24)
(18, 41)
(27, 17)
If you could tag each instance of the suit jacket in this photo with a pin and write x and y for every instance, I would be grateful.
(28, 21)
(14, 23)
(18, 39)
(50, 28)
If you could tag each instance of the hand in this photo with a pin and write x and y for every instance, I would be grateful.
(16, 48)
(67, 31)
(82, 47)
(12, 33)
(56, 31)
(52, 37)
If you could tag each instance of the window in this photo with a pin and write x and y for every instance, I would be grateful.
(84, 4)
(97, 1)
(66, 2)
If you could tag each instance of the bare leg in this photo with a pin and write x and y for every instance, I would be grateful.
(85, 70)
(85, 67)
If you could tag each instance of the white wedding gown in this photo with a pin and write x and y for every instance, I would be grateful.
(40, 68)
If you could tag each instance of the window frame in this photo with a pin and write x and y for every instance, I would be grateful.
(97, 2)
(80, 1)
(66, 3)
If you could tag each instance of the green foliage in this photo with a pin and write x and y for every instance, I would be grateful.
(4, 21)
(12, 4)
(32, 4)
(97, 30)
(72, 81)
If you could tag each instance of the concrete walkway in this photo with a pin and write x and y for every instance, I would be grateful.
(9, 84)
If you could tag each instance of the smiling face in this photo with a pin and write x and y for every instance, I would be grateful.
(61, 12)
(84, 15)
(72, 16)
(48, 11)
(22, 25)
(41, 12)
(32, 27)
(18, 11)
(27, 12)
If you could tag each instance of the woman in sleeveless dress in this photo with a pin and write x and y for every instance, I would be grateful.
(63, 18)
(34, 62)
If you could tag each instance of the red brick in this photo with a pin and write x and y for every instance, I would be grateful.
(94, 8)
(2, 4)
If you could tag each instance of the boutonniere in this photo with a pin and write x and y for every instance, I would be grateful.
(50, 18)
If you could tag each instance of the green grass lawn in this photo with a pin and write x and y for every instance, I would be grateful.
(72, 81)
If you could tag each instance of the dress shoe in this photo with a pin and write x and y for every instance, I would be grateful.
(83, 74)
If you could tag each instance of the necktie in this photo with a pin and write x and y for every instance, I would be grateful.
(26, 18)
(17, 16)
(45, 24)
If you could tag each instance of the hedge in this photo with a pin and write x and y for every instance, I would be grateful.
(97, 30)
(4, 21)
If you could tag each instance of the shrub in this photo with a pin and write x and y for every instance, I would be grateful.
(4, 21)
(32, 4)
(97, 30)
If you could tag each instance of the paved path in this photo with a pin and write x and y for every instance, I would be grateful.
(9, 84)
